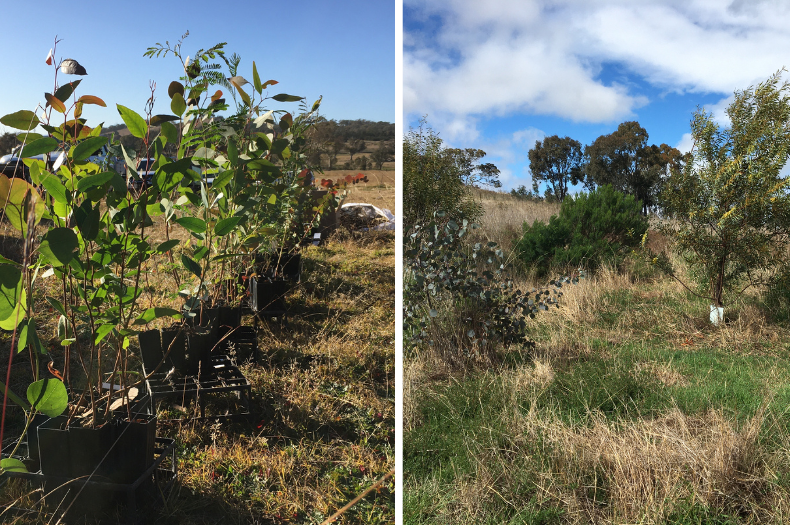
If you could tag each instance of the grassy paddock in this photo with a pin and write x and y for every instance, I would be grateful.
(632, 408)
(323, 398)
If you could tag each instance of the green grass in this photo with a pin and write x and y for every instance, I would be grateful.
(489, 448)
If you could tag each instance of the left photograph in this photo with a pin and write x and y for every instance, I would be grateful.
(197, 267)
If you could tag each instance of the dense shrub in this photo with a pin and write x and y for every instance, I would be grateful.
(458, 300)
(590, 229)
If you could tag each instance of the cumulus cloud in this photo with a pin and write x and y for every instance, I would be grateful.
(544, 57)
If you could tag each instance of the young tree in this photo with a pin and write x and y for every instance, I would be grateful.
(384, 153)
(731, 205)
(432, 180)
(558, 162)
(8, 142)
(354, 146)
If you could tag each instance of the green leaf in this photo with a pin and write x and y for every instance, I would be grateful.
(32, 338)
(56, 104)
(222, 179)
(57, 305)
(156, 120)
(94, 181)
(59, 245)
(55, 188)
(282, 97)
(25, 120)
(192, 224)
(15, 398)
(29, 137)
(225, 226)
(178, 105)
(155, 313)
(256, 80)
(175, 87)
(191, 265)
(88, 219)
(167, 246)
(48, 396)
(135, 123)
(91, 99)
(170, 132)
(12, 465)
(233, 153)
(64, 92)
(87, 147)
(19, 196)
(102, 331)
(22, 342)
(272, 199)
(244, 96)
(17, 316)
(10, 289)
(38, 147)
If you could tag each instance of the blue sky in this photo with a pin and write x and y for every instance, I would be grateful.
(501, 74)
(344, 51)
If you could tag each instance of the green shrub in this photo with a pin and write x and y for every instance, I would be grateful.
(433, 180)
(589, 230)
(457, 299)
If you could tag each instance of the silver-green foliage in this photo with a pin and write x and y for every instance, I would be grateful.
(443, 268)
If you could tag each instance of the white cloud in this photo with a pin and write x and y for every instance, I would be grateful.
(685, 144)
(544, 57)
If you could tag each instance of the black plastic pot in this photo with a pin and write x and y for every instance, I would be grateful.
(267, 296)
(118, 452)
(188, 348)
(134, 451)
(286, 265)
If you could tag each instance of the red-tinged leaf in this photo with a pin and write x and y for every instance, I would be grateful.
(175, 87)
(303, 173)
(216, 96)
(50, 57)
(78, 110)
(269, 83)
(56, 104)
(90, 99)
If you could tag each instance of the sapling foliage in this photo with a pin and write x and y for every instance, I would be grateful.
(729, 209)
(445, 273)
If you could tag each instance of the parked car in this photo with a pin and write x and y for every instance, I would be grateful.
(11, 165)
(145, 174)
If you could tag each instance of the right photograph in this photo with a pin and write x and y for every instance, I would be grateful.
(596, 302)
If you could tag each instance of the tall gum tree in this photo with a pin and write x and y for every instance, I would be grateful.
(557, 162)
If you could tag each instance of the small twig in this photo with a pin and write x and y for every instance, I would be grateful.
(354, 501)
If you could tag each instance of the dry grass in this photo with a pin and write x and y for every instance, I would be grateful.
(644, 470)
(505, 214)
(323, 400)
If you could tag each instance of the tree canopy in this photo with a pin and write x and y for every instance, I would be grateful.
(433, 179)
(626, 161)
(557, 162)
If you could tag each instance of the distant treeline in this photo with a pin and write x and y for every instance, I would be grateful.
(359, 129)
(342, 130)
(326, 140)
